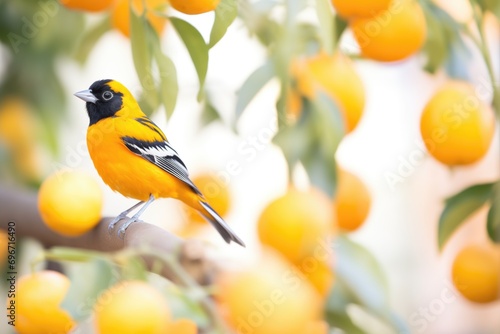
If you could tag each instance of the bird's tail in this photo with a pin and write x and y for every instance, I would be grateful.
(220, 225)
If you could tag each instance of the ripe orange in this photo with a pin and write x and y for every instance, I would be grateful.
(318, 327)
(296, 223)
(476, 273)
(352, 202)
(183, 326)
(338, 78)
(19, 130)
(194, 6)
(457, 128)
(70, 202)
(394, 34)
(120, 17)
(87, 5)
(268, 298)
(18, 125)
(4, 249)
(131, 307)
(215, 191)
(319, 274)
(360, 8)
(37, 304)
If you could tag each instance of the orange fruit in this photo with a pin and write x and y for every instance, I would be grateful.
(216, 192)
(318, 327)
(393, 34)
(360, 8)
(457, 128)
(120, 17)
(183, 326)
(476, 273)
(319, 274)
(19, 129)
(4, 249)
(37, 304)
(18, 125)
(336, 76)
(268, 298)
(131, 307)
(87, 5)
(296, 223)
(352, 202)
(194, 6)
(70, 202)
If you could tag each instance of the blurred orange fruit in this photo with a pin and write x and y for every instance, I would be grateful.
(318, 327)
(120, 17)
(296, 223)
(131, 307)
(183, 326)
(4, 250)
(37, 304)
(268, 298)
(476, 273)
(336, 76)
(194, 6)
(18, 125)
(215, 191)
(394, 34)
(19, 133)
(70, 202)
(352, 202)
(319, 274)
(457, 128)
(360, 8)
(87, 5)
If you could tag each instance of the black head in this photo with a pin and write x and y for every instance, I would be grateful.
(102, 100)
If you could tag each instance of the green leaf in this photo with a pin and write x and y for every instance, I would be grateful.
(363, 281)
(70, 254)
(327, 130)
(493, 220)
(252, 85)
(169, 87)
(336, 309)
(141, 50)
(209, 113)
(459, 207)
(196, 46)
(326, 24)
(134, 269)
(88, 281)
(492, 6)
(443, 38)
(90, 39)
(340, 25)
(225, 13)
(295, 140)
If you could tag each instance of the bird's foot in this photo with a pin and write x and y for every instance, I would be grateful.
(112, 224)
(124, 227)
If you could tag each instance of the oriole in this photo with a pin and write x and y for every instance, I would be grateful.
(133, 156)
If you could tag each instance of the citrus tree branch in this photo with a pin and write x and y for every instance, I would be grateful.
(20, 207)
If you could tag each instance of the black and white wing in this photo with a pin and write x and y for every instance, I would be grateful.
(161, 154)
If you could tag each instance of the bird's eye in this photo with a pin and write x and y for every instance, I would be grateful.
(107, 95)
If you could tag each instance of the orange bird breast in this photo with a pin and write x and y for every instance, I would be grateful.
(128, 173)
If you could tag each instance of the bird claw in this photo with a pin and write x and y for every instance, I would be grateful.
(124, 227)
(112, 224)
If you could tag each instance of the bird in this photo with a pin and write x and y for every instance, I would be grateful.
(133, 156)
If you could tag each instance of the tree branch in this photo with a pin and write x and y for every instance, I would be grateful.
(20, 206)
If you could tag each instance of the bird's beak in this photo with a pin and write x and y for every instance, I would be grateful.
(86, 95)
